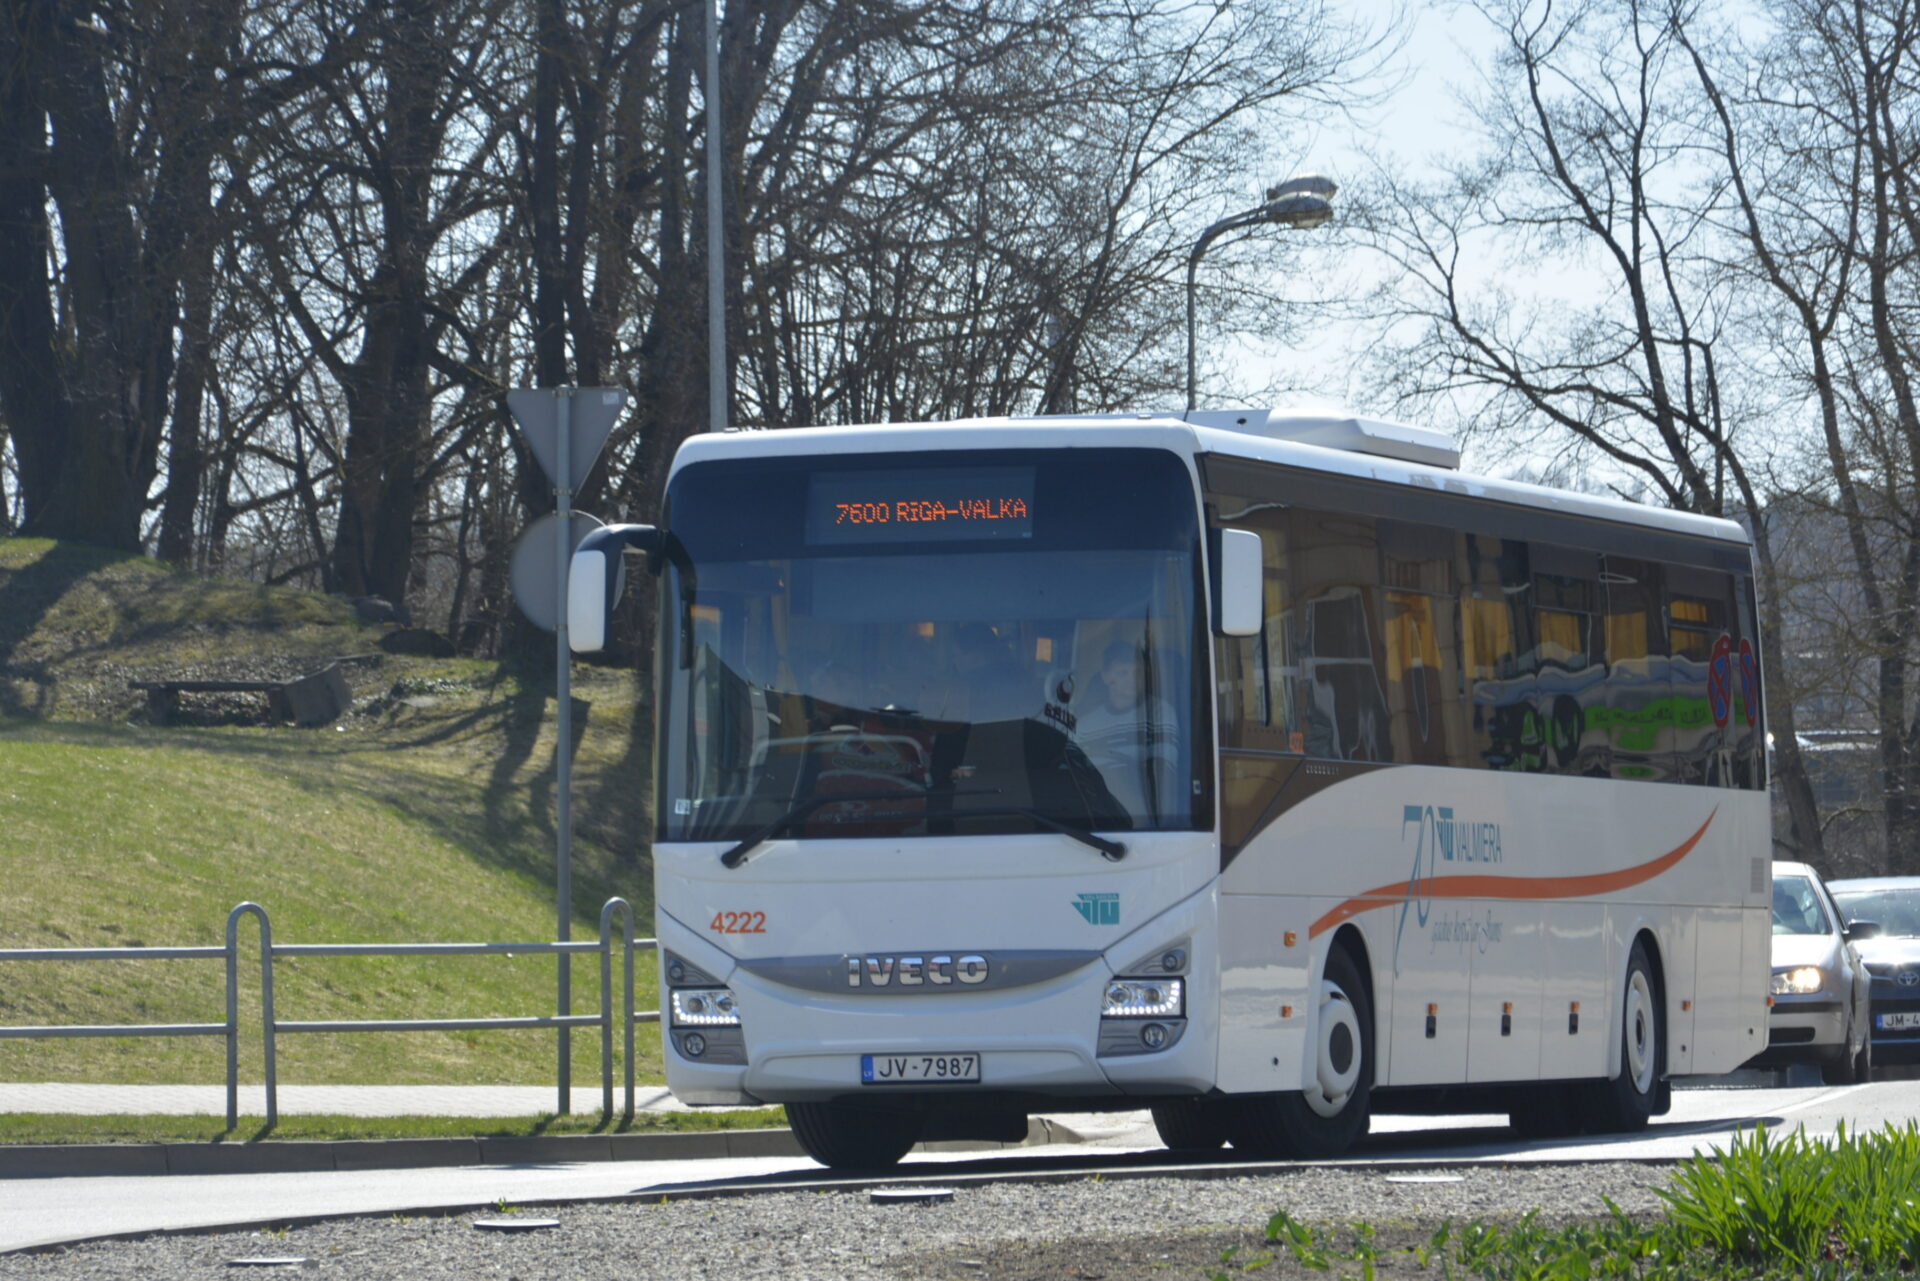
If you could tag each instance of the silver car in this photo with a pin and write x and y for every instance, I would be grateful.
(1821, 992)
(1892, 957)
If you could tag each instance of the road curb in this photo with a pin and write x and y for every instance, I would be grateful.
(300, 1156)
(271, 1156)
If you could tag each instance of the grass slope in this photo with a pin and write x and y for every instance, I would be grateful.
(425, 815)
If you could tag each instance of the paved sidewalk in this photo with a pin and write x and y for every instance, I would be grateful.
(320, 1100)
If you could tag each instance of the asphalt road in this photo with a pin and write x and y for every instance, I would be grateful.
(46, 1211)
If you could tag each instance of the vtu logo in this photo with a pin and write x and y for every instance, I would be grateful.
(1099, 909)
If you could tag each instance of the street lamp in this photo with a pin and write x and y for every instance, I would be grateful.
(1305, 201)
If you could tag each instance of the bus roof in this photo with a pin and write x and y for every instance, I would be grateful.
(1168, 431)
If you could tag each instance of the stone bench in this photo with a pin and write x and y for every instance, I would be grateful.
(318, 698)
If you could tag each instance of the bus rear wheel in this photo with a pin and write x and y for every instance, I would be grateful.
(847, 1136)
(1324, 1119)
(1629, 1098)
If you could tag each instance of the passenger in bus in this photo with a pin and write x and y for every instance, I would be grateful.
(1127, 736)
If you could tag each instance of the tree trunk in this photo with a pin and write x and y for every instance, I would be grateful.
(386, 385)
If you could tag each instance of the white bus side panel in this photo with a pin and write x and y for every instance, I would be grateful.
(1508, 1009)
(1264, 1011)
(1475, 891)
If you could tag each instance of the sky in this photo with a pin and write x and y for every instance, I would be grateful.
(1418, 121)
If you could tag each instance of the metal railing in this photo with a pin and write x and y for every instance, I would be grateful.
(272, 1026)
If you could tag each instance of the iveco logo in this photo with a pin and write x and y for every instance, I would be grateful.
(915, 971)
(1909, 978)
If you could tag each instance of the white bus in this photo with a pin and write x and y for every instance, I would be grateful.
(1261, 770)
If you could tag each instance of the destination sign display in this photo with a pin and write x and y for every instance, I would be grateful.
(920, 505)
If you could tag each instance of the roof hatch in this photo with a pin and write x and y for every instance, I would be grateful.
(1350, 432)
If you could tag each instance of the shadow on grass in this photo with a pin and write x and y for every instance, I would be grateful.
(27, 595)
(136, 602)
(231, 1135)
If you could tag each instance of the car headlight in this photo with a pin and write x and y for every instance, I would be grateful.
(1798, 982)
(1144, 999)
(704, 1007)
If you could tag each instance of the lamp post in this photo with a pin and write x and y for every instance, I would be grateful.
(716, 237)
(1306, 201)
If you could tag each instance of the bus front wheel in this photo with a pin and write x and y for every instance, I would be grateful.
(1324, 1119)
(1192, 1125)
(846, 1136)
(1629, 1098)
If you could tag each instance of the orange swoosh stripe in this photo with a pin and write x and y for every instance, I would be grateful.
(1510, 887)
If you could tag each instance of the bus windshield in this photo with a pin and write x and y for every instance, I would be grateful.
(932, 643)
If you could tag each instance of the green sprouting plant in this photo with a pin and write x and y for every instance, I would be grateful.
(1840, 1209)
(1763, 1200)
(1479, 1242)
(1298, 1238)
(1253, 1264)
(1436, 1244)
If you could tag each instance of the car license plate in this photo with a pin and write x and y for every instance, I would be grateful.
(1904, 1021)
(919, 1069)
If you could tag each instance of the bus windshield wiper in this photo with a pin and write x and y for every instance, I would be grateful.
(738, 854)
(1112, 851)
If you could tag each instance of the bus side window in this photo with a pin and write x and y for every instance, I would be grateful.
(1422, 643)
(1702, 673)
(1497, 656)
(1569, 675)
(1342, 702)
(1748, 721)
(1258, 673)
(1634, 646)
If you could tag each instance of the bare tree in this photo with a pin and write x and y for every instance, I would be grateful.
(1602, 163)
(108, 116)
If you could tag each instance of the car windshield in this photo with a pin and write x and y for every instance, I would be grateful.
(1895, 910)
(952, 646)
(1797, 908)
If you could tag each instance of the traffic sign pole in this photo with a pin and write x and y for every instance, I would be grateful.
(563, 748)
(548, 419)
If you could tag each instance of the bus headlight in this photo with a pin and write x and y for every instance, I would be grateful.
(1144, 999)
(704, 1007)
(1798, 982)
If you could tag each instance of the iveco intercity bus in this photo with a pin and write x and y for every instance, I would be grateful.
(1257, 769)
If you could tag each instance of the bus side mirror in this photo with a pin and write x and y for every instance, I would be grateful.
(597, 576)
(1239, 602)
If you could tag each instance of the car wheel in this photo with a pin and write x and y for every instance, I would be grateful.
(1842, 1069)
(1863, 1061)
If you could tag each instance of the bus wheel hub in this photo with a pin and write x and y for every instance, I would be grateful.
(1337, 1053)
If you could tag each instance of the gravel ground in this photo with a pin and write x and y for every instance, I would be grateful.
(1092, 1230)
